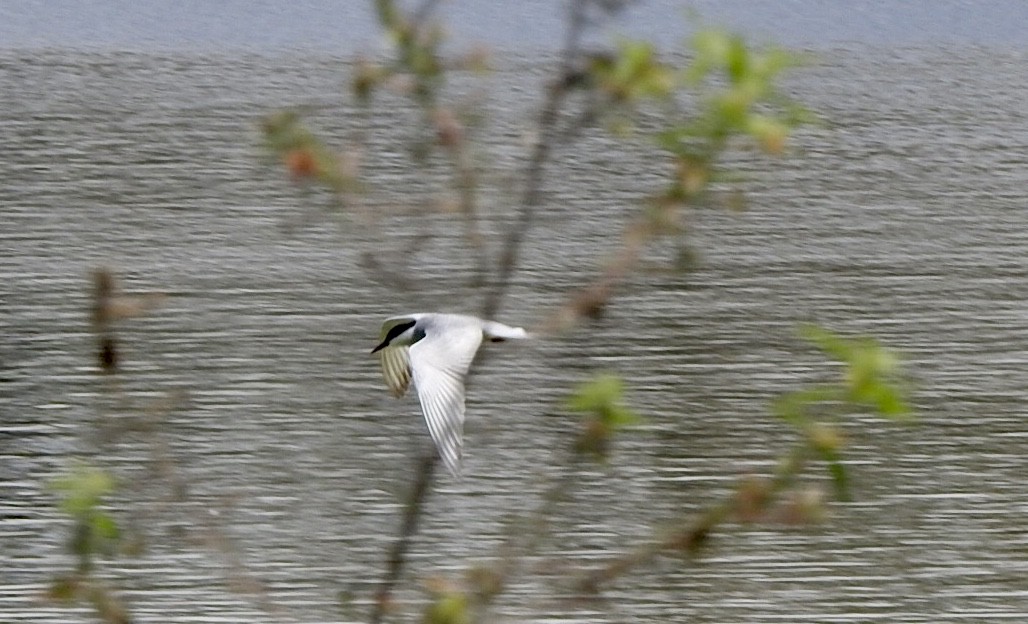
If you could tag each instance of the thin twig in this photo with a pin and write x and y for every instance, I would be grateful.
(467, 184)
(692, 535)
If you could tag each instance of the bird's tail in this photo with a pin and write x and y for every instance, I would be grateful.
(498, 331)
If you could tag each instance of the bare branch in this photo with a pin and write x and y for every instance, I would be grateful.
(537, 163)
(412, 513)
(748, 502)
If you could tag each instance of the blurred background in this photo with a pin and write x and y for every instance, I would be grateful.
(260, 461)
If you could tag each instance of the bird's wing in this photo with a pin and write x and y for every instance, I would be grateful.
(439, 363)
(396, 369)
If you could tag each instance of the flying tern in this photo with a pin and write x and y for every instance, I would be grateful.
(436, 351)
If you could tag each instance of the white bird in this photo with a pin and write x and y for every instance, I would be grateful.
(436, 350)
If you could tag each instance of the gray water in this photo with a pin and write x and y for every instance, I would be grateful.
(271, 476)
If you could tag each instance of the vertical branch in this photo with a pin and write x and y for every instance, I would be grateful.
(467, 187)
(411, 515)
(451, 134)
(508, 263)
(533, 193)
(389, 16)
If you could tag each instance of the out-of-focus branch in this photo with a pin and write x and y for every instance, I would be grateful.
(738, 85)
(398, 553)
(750, 501)
(418, 56)
(452, 136)
(533, 190)
(871, 381)
(110, 306)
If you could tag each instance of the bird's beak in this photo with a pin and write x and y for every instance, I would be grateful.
(385, 343)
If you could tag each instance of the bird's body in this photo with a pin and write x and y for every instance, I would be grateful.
(436, 351)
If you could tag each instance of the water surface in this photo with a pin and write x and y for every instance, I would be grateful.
(273, 481)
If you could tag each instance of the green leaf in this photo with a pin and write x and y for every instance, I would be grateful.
(618, 417)
(837, 471)
(448, 608)
(285, 130)
(712, 49)
(871, 376)
(738, 61)
(794, 407)
(601, 397)
(633, 73)
(596, 394)
(104, 526)
(82, 490)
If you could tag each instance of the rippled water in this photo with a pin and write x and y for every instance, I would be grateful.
(271, 482)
